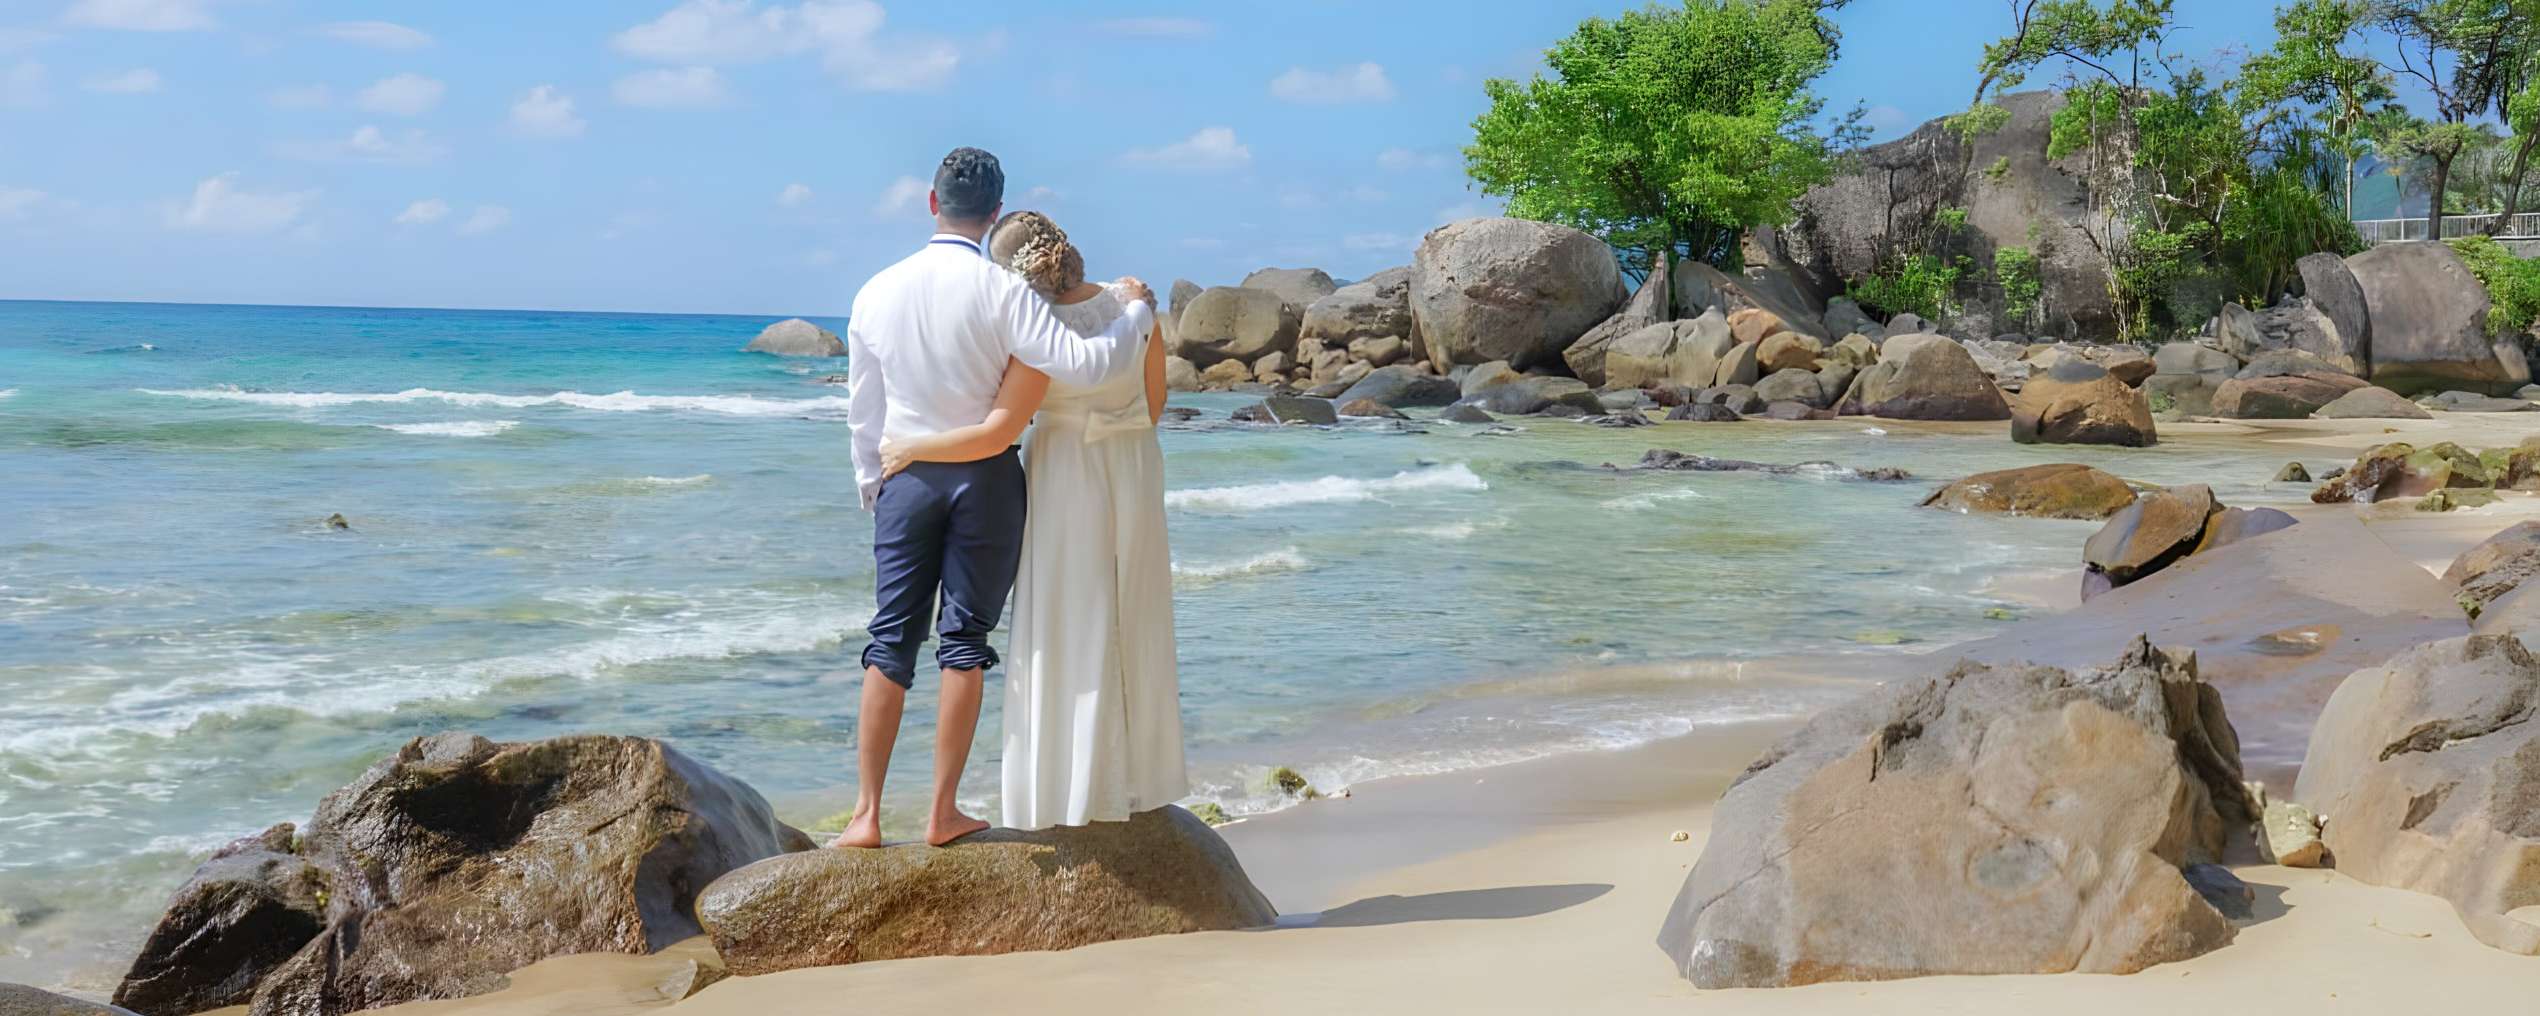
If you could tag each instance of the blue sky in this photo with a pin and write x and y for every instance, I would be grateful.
(726, 155)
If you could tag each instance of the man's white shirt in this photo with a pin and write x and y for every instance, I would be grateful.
(928, 339)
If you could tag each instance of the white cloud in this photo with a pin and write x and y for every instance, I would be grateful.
(424, 212)
(1038, 195)
(219, 206)
(904, 196)
(1361, 83)
(301, 97)
(793, 195)
(1209, 148)
(845, 34)
(486, 219)
(136, 81)
(401, 95)
(1399, 159)
(543, 112)
(1159, 28)
(697, 87)
(16, 202)
(25, 86)
(14, 39)
(376, 34)
(1379, 241)
(141, 15)
(367, 144)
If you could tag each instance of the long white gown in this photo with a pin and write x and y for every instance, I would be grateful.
(1093, 720)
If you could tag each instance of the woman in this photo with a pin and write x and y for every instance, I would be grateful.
(1093, 723)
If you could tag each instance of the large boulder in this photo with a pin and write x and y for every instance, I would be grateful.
(1180, 376)
(2429, 323)
(2331, 288)
(1927, 377)
(1738, 366)
(2426, 773)
(2281, 396)
(1886, 193)
(1300, 287)
(797, 337)
(1376, 307)
(1774, 307)
(1789, 351)
(2399, 469)
(1996, 819)
(2130, 364)
(1638, 360)
(28, 1000)
(1702, 343)
(1531, 395)
(458, 860)
(2195, 358)
(2158, 529)
(2372, 403)
(1400, 386)
(1792, 385)
(1510, 289)
(2061, 490)
(245, 912)
(1161, 872)
(1184, 291)
(1283, 410)
(1844, 317)
(1236, 323)
(2079, 402)
(1648, 306)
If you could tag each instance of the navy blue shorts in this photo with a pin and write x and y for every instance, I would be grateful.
(953, 529)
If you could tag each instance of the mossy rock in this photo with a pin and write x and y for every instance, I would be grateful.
(2450, 498)
(1211, 812)
(1293, 783)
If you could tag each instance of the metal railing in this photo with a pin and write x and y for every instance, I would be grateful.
(2523, 226)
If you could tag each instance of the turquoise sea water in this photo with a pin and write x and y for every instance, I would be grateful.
(619, 523)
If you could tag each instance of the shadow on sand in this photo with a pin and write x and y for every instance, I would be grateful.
(1462, 905)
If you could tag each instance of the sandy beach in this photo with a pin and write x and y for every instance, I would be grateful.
(1539, 887)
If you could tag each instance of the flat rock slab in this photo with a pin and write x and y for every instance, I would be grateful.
(22, 1000)
(2276, 622)
(1162, 872)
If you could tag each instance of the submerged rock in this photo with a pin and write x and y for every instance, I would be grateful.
(1287, 409)
(2426, 773)
(2399, 469)
(1705, 412)
(1401, 387)
(1161, 872)
(1674, 461)
(2293, 472)
(2062, 490)
(2159, 528)
(1991, 820)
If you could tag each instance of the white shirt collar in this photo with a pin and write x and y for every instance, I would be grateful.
(957, 240)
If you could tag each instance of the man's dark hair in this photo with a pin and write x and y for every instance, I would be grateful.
(968, 186)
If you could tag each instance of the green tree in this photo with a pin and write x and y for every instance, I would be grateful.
(2313, 64)
(1668, 129)
(2465, 54)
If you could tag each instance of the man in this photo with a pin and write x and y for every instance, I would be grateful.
(927, 343)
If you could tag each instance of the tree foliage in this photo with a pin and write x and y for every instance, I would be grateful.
(1668, 128)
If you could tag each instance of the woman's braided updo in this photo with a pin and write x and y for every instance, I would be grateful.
(1035, 248)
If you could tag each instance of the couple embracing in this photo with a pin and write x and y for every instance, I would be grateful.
(951, 352)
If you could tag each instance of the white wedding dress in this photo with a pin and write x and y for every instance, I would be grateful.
(1093, 720)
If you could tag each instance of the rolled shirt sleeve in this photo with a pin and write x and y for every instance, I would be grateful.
(1044, 343)
(867, 410)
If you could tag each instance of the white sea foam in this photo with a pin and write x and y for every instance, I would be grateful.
(1325, 490)
(308, 686)
(677, 481)
(617, 402)
(452, 428)
(1652, 499)
(1284, 559)
(8, 393)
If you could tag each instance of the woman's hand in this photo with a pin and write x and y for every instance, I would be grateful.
(895, 456)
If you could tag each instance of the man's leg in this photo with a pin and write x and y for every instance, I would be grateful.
(908, 531)
(983, 544)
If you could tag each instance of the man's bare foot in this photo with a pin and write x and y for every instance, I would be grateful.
(943, 829)
(864, 831)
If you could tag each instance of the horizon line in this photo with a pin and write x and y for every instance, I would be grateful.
(476, 310)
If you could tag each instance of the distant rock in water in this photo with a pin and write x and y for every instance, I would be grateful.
(2426, 773)
(1995, 819)
(1662, 459)
(1161, 872)
(454, 862)
(797, 337)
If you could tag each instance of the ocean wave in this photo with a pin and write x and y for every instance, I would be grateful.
(617, 402)
(676, 481)
(452, 428)
(302, 686)
(1285, 559)
(1652, 499)
(8, 393)
(1324, 490)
